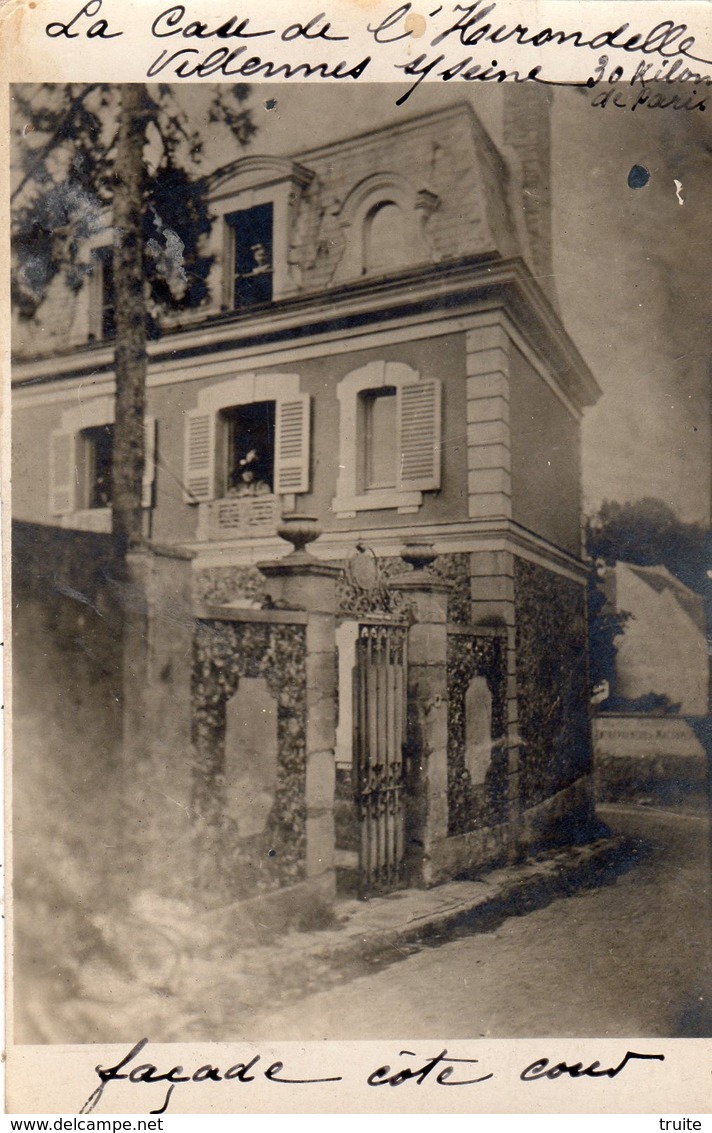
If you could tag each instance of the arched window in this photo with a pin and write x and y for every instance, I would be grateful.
(384, 238)
(382, 221)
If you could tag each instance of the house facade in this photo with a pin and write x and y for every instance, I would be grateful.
(381, 350)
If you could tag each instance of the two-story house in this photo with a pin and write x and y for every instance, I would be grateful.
(381, 349)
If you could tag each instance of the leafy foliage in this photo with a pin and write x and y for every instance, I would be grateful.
(649, 533)
(66, 179)
(604, 626)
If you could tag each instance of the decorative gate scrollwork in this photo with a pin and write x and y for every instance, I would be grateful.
(379, 735)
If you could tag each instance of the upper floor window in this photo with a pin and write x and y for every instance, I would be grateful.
(247, 453)
(385, 221)
(108, 294)
(390, 439)
(252, 232)
(94, 456)
(81, 465)
(249, 435)
(378, 430)
(258, 201)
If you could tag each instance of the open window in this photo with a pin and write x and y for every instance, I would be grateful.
(247, 451)
(390, 439)
(252, 235)
(249, 447)
(257, 201)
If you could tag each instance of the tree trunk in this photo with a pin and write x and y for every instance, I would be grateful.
(130, 312)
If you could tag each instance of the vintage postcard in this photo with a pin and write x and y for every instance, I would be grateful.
(356, 554)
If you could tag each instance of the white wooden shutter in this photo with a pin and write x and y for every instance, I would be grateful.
(419, 429)
(149, 461)
(291, 458)
(199, 472)
(62, 472)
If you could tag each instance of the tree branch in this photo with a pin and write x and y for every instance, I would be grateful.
(46, 149)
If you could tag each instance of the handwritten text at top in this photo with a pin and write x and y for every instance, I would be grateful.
(196, 48)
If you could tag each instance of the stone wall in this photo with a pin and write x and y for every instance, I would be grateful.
(473, 806)
(552, 682)
(224, 654)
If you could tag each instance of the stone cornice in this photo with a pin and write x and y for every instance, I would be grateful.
(452, 537)
(462, 287)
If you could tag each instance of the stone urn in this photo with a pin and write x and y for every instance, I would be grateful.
(299, 530)
(419, 554)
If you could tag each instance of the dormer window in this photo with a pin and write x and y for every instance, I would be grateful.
(108, 293)
(102, 295)
(252, 233)
(384, 221)
(258, 201)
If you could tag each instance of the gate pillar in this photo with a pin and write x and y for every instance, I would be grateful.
(426, 819)
(301, 582)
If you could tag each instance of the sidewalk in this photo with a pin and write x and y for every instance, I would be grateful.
(621, 959)
(373, 933)
(202, 978)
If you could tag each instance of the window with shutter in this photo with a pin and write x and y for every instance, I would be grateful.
(247, 454)
(199, 456)
(419, 436)
(390, 439)
(292, 446)
(81, 464)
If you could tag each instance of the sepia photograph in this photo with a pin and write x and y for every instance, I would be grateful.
(360, 563)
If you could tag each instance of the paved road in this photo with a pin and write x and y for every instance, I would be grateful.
(632, 958)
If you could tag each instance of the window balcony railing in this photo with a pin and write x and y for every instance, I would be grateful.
(237, 517)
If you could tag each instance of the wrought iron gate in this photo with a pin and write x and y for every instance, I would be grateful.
(379, 733)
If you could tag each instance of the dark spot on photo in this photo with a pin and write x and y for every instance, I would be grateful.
(638, 177)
